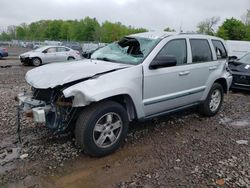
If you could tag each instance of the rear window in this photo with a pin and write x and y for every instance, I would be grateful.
(220, 50)
(201, 51)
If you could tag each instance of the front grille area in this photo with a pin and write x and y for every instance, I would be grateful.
(241, 79)
(42, 94)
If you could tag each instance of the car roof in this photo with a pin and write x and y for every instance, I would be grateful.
(54, 46)
(152, 35)
(161, 35)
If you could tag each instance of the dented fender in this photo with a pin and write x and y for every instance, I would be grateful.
(123, 82)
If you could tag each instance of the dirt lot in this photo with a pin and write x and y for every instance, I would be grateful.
(181, 150)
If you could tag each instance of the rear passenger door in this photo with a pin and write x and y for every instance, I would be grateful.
(202, 66)
(62, 54)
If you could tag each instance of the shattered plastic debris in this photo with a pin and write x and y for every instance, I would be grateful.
(24, 156)
(242, 142)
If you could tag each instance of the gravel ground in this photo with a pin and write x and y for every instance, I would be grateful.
(181, 150)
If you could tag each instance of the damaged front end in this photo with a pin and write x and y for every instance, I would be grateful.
(47, 106)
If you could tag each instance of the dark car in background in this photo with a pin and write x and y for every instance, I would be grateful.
(87, 54)
(241, 72)
(3, 52)
(73, 45)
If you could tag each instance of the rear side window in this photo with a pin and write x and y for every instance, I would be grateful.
(201, 51)
(220, 50)
(176, 48)
(62, 49)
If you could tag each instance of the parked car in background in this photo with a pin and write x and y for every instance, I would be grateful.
(37, 45)
(52, 43)
(90, 48)
(73, 45)
(49, 54)
(136, 78)
(87, 54)
(241, 72)
(3, 52)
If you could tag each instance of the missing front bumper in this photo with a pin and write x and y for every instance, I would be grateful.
(33, 108)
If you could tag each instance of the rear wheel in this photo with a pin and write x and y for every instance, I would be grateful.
(71, 58)
(101, 128)
(213, 101)
(36, 61)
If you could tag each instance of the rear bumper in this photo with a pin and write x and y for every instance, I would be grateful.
(240, 86)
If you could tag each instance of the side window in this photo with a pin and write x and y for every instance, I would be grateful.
(176, 48)
(220, 50)
(51, 50)
(201, 51)
(61, 49)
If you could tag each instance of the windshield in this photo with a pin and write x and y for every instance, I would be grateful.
(245, 59)
(128, 50)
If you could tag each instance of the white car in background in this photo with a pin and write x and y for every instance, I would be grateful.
(49, 54)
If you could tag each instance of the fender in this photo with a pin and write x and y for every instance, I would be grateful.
(127, 82)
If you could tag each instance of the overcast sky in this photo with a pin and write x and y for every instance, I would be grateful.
(150, 14)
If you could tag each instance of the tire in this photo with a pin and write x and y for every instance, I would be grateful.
(98, 125)
(71, 58)
(213, 102)
(36, 61)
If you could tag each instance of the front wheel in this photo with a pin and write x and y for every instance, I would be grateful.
(36, 61)
(101, 128)
(213, 102)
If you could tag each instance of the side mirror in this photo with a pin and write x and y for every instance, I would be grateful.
(163, 61)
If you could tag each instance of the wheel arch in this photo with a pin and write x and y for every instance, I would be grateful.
(37, 58)
(223, 83)
(126, 101)
(71, 57)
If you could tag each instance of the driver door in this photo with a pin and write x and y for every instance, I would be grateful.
(167, 88)
(50, 55)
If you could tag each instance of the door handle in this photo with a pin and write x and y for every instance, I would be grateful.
(184, 73)
(213, 68)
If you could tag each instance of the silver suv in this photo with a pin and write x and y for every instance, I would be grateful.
(139, 77)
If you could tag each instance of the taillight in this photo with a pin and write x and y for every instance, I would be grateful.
(78, 53)
(5, 50)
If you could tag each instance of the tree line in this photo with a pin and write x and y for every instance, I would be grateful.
(231, 29)
(87, 29)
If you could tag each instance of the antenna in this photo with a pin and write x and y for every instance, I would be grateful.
(181, 27)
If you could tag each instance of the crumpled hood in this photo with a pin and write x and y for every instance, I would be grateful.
(55, 74)
(240, 67)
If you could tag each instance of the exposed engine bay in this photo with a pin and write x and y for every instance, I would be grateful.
(47, 106)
